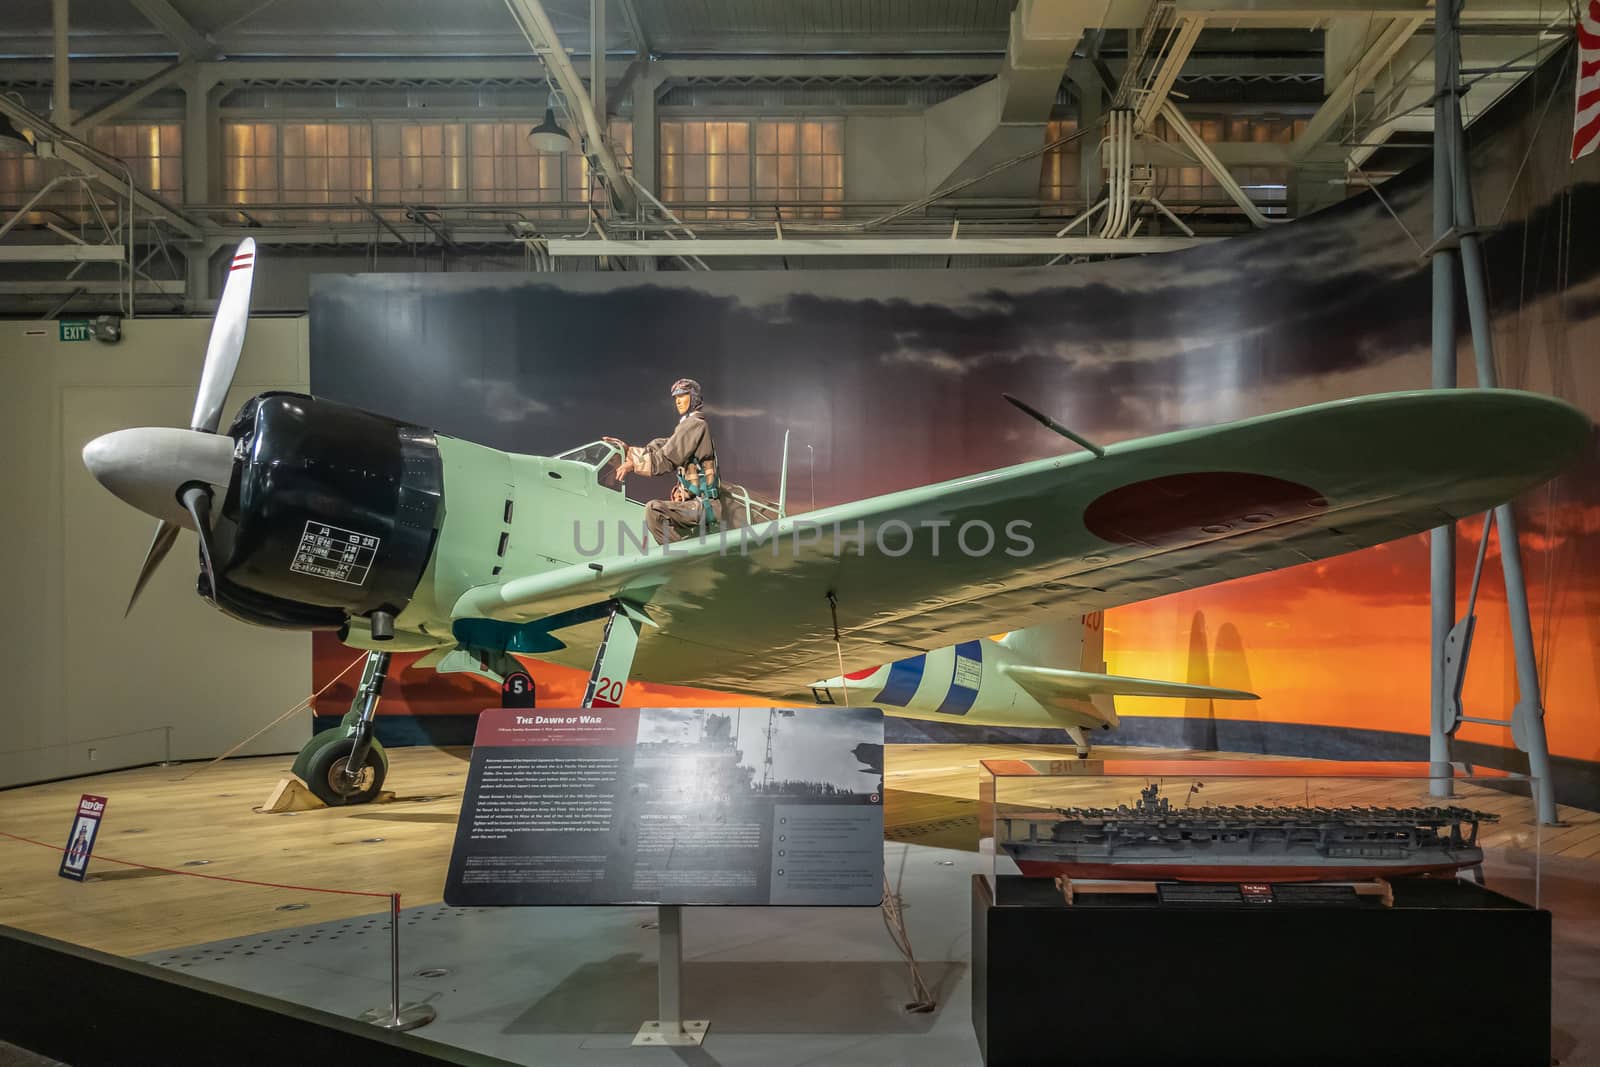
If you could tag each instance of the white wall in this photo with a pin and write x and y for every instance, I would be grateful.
(84, 682)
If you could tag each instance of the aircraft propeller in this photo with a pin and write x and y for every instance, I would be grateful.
(171, 473)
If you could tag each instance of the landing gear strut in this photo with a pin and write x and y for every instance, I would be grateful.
(613, 660)
(347, 765)
(1080, 739)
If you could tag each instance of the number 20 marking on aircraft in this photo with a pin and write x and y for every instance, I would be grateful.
(608, 691)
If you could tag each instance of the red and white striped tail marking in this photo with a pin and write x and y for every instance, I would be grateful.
(1586, 117)
(243, 260)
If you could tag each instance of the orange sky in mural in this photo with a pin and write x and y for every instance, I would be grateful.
(1344, 642)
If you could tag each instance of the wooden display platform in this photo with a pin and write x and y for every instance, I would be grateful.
(172, 816)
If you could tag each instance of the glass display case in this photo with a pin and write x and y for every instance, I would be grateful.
(1271, 822)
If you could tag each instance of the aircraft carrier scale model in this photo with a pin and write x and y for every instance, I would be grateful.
(1157, 842)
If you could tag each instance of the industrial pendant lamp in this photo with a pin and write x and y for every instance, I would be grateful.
(548, 136)
(11, 140)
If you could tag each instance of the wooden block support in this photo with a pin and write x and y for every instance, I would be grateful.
(291, 794)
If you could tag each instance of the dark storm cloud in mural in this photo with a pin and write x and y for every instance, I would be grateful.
(890, 379)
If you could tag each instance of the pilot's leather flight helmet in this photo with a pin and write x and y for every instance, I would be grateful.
(690, 388)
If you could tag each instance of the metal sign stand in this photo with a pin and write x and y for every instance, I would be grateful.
(671, 1028)
(613, 662)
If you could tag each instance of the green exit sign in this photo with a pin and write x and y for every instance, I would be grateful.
(75, 329)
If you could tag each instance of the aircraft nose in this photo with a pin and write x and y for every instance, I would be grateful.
(148, 465)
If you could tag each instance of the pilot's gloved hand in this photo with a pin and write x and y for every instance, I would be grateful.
(680, 495)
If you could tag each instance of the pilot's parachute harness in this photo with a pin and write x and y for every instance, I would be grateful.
(705, 489)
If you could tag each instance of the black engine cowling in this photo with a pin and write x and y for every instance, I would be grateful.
(331, 512)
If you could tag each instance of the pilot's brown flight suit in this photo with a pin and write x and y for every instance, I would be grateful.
(675, 519)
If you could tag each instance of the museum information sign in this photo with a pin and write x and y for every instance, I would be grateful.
(672, 806)
(80, 840)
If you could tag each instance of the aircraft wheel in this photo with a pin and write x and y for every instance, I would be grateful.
(1083, 753)
(325, 774)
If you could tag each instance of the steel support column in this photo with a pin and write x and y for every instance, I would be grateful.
(597, 60)
(645, 89)
(61, 77)
(1455, 223)
(1442, 539)
(1091, 112)
(1527, 716)
(197, 145)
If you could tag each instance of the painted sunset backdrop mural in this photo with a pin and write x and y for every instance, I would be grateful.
(890, 379)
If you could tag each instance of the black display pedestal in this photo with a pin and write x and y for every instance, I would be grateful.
(1452, 973)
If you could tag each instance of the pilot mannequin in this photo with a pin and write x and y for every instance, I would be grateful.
(690, 454)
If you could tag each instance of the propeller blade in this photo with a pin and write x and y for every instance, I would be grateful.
(197, 498)
(227, 340)
(160, 545)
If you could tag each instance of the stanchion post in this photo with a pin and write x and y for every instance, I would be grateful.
(397, 1016)
(671, 1028)
(394, 960)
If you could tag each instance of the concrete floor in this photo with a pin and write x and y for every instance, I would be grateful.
(1570, 889)
(781, 987)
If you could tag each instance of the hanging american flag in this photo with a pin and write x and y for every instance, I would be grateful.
(1586, 121)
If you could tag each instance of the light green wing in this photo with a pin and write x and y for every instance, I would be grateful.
(1152, 516)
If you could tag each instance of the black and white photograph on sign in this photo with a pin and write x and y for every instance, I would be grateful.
(764, 806)
(809, 760)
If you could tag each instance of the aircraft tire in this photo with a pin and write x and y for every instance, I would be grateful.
(327, 764)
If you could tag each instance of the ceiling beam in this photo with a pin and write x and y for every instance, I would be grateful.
(874, 246)
(236, 71)
(192, 44)
(55, 287)
(68, 253)
(1336, 106)
(135, 96)
(830, 66)
(641, 39)
(535, 24)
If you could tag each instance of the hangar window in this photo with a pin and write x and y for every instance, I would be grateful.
(298, 163)
(1194, 188)
(752, 166)
(402, 162)
(327, 163)
(424, 161)
(1060, 178)
(505, 168)
(152, 151)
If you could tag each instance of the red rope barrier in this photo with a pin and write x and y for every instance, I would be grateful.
(209, 877)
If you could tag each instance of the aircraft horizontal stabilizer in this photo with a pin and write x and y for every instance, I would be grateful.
(1050, 685)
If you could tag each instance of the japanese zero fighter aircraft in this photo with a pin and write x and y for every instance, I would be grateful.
(313, 515)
